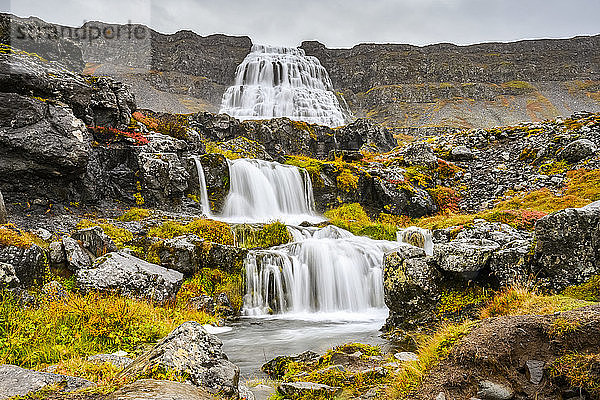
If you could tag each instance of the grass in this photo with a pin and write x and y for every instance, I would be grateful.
(10, 235)
(589, 291)
(353, 218)
(580, 371)
(212, 282)
(208, 229)
(134, 214)
(82, 325)
(269, 235)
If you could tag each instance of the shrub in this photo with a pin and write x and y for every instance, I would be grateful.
(110, 135)
(134, 214)
(11, 236)
(581, 371)
(212, 282)
(445, 198)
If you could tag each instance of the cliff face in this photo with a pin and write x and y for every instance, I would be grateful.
(401, 86)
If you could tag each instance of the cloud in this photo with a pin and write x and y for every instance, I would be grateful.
(337, 23)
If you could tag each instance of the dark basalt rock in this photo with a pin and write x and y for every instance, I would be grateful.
(28, 263)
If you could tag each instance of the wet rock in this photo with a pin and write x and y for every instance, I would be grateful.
(465, 256)
(568, 246)
(181, 254)
(493, 391)
(76, 256)
(16, 381)
(191, 350)
(130, 276)
(151, 389)
(301, 389)
(164, 177)
(116, 360)
(577, 150)
(95, 241)
(216, 173)
(8, 277)
(536, 371)
(28, 262)
(276, 368)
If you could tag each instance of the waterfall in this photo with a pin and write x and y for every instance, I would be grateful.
(326, 270)
(282, 82)
(204, 202)
(262, 191)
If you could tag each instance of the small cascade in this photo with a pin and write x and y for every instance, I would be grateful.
(262, 191)
(276, 82)
(204, 202)
(326, 270)
(417, 237)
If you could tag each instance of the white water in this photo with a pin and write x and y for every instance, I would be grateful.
(282, 82)
(261, 191)
(204, 202)
(327, 271)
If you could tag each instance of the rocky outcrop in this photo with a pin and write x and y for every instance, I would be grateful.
(192, 351)
(307, 389)
(130, 276)
(568, 246)
(17, 382)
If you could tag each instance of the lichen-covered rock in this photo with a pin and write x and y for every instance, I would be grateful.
(29, 262)
(76, 256)
(494, 231)
(512, 262)
(277, 367)
(411, 284)
(420, 154)
(95, 241)
(16, 381)
(461, 153)
(568, 246)
(8, 277)
(163, 175)
(577, 150)
(192, 351)
(53, 291)
(130, 276)
(56, 254)
(465, 256)
(152, 389)
(308, 389)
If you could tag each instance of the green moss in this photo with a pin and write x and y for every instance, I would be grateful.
(589, 291)
(457, 304)
(208, 229)
(269, 235)
(554, 168)
(120, 236)
(353, 218)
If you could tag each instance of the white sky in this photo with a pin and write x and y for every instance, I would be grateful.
(336, 23)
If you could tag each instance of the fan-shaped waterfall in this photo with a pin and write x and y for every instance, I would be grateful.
(262, 191)
(324, 270)
(282, 82)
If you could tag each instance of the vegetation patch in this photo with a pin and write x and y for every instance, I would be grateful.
(581, 371)
(456, 305)
(174, 125)
(208, 229)
(10, 235)
(212, 282)
(589, 291)
(134, 214)
(269, 235)
(120, 236)
(353, 218)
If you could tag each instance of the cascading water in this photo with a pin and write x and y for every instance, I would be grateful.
(262, 190)
(282, 82)
(326, 270)
(204, 202)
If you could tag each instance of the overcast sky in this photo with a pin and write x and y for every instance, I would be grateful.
(337, 23)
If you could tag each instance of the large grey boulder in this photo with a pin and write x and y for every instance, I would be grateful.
(163, 175)
(420, 154)
(8, 277)
(568, 246)
(577, 150)
(17, 381)
(28, 262)
(512, 262)
(76, 256)
(95, 241)
(152, 389)
(494, 231)
(130, 276)
(464, 256)
(191, 351)
(410, 281)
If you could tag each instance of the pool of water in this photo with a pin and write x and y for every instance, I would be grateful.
(255, 340)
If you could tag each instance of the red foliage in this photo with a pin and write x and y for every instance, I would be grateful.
(112, 134)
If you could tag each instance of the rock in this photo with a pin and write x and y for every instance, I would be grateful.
(512, 262)
(223, 305)
(203, 303)
(406, 356)
(568, 246)
(54, 291)
(191, 350)
(461, 153)
(536, 371)
(577, 150)
(28, 262)
(16, 381)
(441, 396)
(244, 392)
(116, 360)
(364, 131)
(130, 276)
(420, 154)
(308, 389)
(493, 391)
(417, 237)
(181, 254)
(494, 231)
(164, 176)
(216, 174)
(410, 282)
(152, 389)
(76, 256)
(95, 241)
(8, 277)
(276, 367)
(56, 254)
(465, 256)
(3, 214)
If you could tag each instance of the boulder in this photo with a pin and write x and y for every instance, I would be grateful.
(461, 153)
(308, 390)
(365, 132)
(53, 291)
(277, 367)
(216, 174)
(152, 389)
(28, 262)
(410, 282)
(16, 381)
(512, 262)
(76, 256)
(577, 150)
(3, 214)
(494, 231)
(56, 254)
(8, 277)
(192, 351)
(130, 276)
(464, 256)
(95, 241)
(494, 391)
(164, 177)
(420, 154)
(118, 361)
(568, 246)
